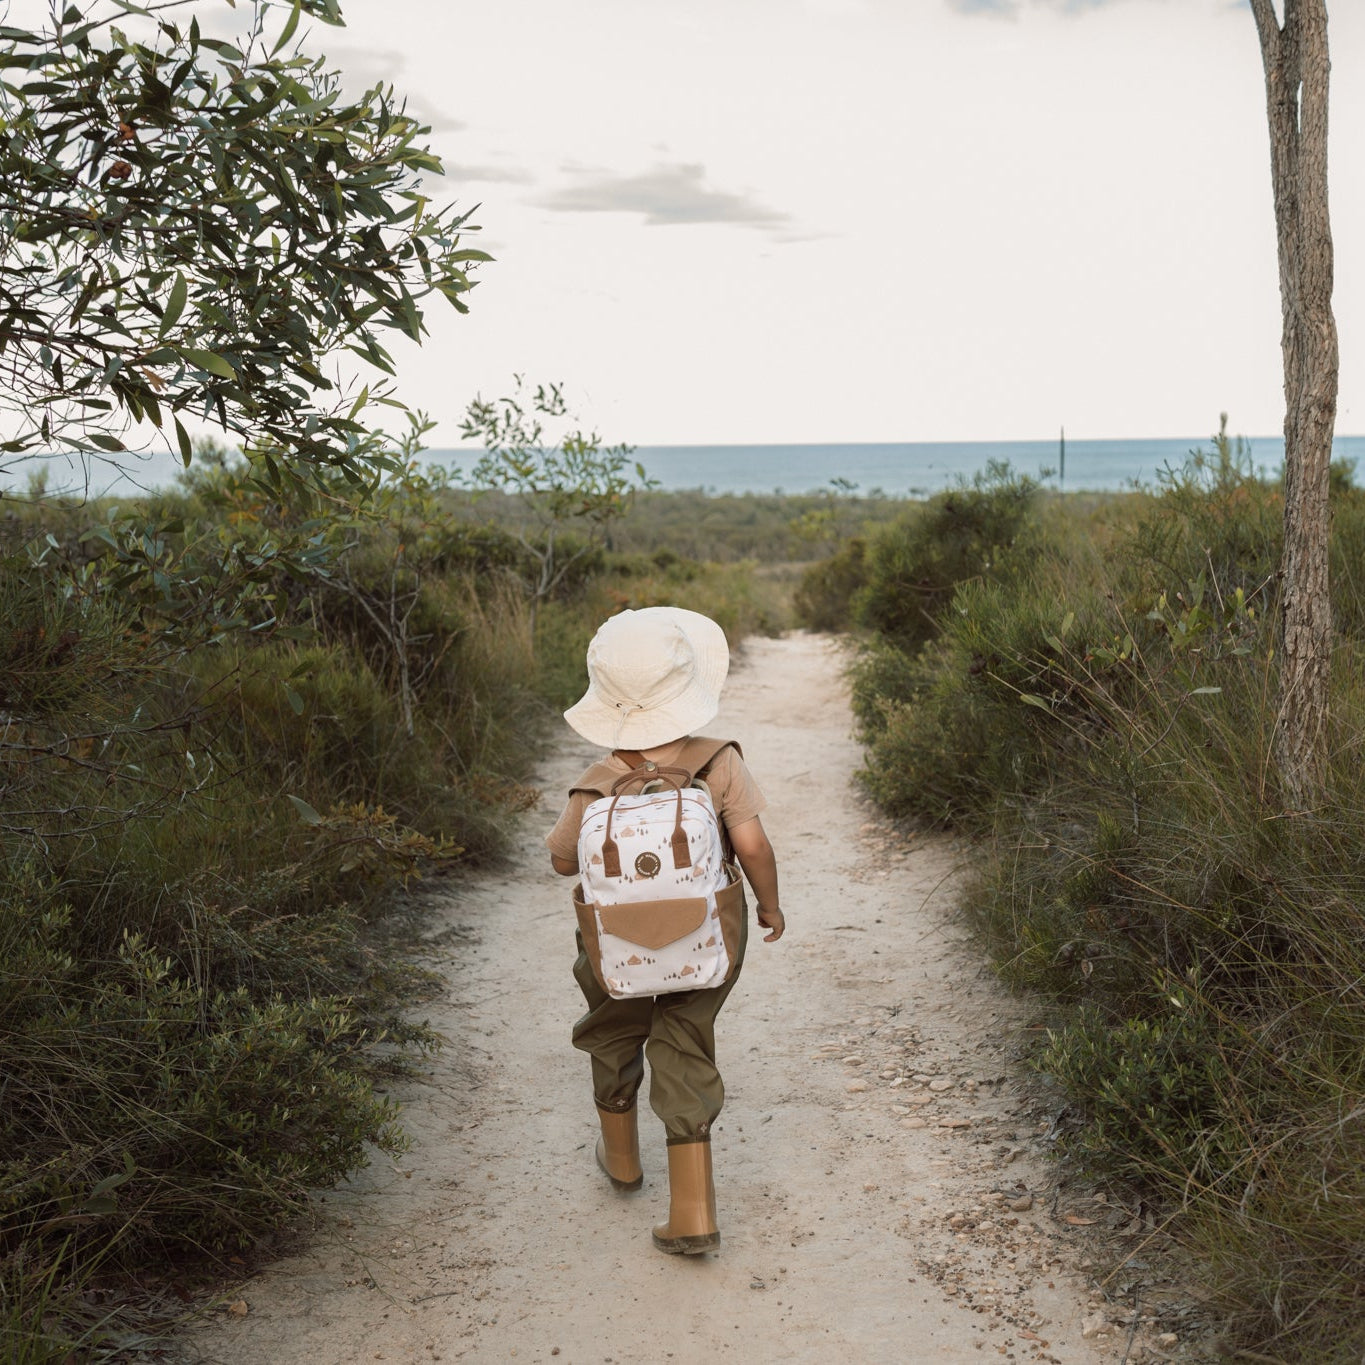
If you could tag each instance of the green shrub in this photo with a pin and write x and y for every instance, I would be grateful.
(914, 565)
(1105, 719)
(979, 715)
(1216, 520)
(1206, 956)
(146, 1106)
(827, 589)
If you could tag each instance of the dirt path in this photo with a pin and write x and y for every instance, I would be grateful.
(871, 1163)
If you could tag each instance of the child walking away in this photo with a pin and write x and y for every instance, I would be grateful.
(653, 831)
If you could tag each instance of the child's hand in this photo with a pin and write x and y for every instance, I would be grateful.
(772, 919)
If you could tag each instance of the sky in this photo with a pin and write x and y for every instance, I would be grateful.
(732, 221)
(865, 220)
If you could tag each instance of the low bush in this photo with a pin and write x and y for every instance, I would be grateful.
(1205, 951)
(989, 711)
(1103, 717)
(912, 567)
(828, 588)
(202, 988)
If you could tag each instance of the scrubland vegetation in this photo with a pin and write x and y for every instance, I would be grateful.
(211, 820)
(212, 804)
(1087, 687)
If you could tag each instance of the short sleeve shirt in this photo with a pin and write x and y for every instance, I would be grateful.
(734, 793)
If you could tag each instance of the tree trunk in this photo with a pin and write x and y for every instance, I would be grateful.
(1296, 76)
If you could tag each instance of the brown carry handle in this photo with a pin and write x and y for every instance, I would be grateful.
(677, 778)
(644, 775)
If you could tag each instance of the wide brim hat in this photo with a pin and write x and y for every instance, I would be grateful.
(654, 675)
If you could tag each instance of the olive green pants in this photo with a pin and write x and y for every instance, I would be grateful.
(678, 1035)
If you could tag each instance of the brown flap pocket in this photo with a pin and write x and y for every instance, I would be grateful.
(654, 924)
(730, 909)
(587, 926)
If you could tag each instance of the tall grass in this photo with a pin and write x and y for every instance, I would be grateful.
(1103, 721)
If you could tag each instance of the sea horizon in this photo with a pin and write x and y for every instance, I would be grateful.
(910, 469)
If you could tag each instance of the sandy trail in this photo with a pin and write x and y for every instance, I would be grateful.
(865, 1161)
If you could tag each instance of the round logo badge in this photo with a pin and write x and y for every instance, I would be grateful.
(647, 865)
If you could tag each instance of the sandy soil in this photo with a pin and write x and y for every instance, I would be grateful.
(880, 1181)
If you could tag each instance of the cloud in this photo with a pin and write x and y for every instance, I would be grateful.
(488, 175)
(667, 194)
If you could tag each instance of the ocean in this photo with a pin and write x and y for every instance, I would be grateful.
(921, 468)
(903, 469)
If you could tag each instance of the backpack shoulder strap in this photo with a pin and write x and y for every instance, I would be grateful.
(701, 751)
(597, 780)
(697, 755)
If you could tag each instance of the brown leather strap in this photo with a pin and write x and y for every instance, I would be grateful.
(696, 755)
(677, 779)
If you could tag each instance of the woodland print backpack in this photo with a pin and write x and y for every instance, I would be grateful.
(658, 903)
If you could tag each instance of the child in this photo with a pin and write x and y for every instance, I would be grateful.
(655, 677)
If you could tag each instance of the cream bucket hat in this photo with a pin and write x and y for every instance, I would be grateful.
(653, 675)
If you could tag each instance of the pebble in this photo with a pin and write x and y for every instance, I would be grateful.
(1021, 1203)
(1167, 1339)
(1092, 1326)
(854, 1087)
(920, 1099)
(914, 1123)
(941, 1083)
(853, 1060)
(954, 1123)
(900, 1109)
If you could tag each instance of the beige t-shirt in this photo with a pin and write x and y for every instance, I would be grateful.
(734, 793)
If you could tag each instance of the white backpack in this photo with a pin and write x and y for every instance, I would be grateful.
(657, 900)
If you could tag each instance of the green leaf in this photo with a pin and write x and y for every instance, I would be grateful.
(206, 360)
(183, 437)
(1206, 691)
(1030, 700)
(306, 812)
(175, 305)
(288, 31)
(295, 702)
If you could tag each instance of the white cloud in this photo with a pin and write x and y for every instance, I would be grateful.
(665, 195)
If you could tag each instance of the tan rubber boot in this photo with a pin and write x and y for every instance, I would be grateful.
(691, 1227)
(618, 1149)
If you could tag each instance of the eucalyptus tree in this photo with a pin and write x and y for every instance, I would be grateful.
(1295, 56)
(197, 228)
